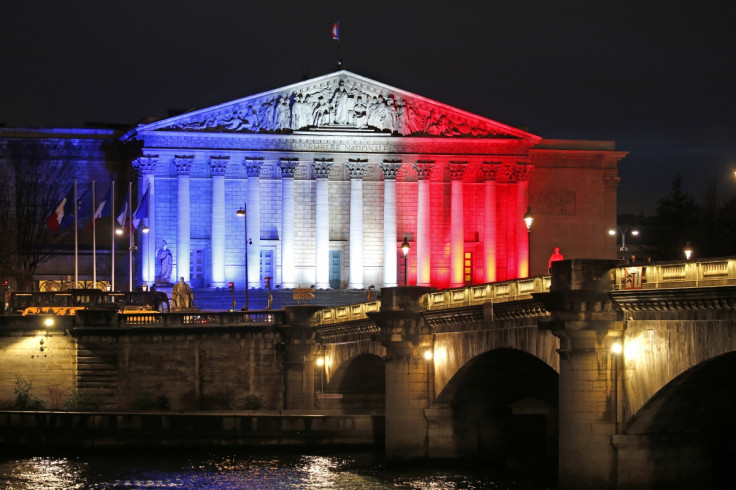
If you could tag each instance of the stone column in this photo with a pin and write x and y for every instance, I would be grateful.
(423, 238)
(409, 381)
(457, 230)
(582, 315)
(489, 222)
(322, 224)
(183, 217)
(253, 215)
(390, 270)
(288, 215)
(218, 165)
(522, 172)
(357, 170)
(146, 166)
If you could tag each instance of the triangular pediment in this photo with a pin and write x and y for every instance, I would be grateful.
(338, 102)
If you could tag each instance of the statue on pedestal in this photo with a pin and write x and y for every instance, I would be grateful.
(182, 296)
(164, 259)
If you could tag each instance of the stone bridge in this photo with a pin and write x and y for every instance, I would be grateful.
(625, 375)
(618, 377)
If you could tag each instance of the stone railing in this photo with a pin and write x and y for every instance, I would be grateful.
(189, 319)
(347, 313)
(483, 293)
(708, 272)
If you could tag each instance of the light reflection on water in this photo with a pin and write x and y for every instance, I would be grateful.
(236, 471)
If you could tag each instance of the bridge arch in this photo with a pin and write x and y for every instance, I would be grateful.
(500, 406)
(360, 383)
(686, 432)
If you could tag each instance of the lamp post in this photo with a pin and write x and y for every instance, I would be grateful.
(688, 251)
(623, 231)
(242, 213)
(528, 220)
(405, 247)
(146, 257)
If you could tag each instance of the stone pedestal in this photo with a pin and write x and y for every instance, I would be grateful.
(583, 317)
(409, 389)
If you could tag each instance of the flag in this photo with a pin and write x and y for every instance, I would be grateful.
(141, 211)
(336, 30)
(123, 216)
(84, 206)
(63, 209)
(103, 209)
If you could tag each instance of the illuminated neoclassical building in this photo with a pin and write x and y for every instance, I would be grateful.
(336, 171)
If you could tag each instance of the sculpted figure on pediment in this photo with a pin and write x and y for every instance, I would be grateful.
(340, 103)
(267, 114)
(283, 114)
(360, 114)
(373, 111)
(301, 113)
(321, 113)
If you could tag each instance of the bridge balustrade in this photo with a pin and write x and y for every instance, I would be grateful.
(347, 313)
(497, 291)
(237, 318)
(710, 272)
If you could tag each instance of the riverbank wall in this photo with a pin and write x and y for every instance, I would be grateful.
(281, 428)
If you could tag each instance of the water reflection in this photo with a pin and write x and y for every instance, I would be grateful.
(236, 471)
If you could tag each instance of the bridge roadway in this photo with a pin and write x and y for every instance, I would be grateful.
(622, 377)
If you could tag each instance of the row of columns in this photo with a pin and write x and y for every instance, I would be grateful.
(493, 171)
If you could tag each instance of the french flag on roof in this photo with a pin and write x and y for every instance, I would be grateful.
(336, 30)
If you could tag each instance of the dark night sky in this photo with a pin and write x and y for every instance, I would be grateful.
(657, 77)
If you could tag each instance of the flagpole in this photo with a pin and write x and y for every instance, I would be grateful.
(130, 236)
(112, 220)
(94, 239)
(76, 238)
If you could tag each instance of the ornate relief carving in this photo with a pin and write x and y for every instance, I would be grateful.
(322, 167)
(356, 168)
(522, 172)
(183, 164)
(341, 103)
(288, 166)
(218, 164)
(390, 168)
(146, 164)
(555, 202)
(253, 166)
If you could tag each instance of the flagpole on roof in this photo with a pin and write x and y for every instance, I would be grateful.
(130, 236)
(94, 239)
(76, 237)
(112, 226)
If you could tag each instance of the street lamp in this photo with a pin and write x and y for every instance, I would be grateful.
(688, 251)
(528, 220)
(147, 257)
(623, 231)
(405, 247)
(242, 213)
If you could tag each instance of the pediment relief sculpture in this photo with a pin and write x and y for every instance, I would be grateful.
(339, 103)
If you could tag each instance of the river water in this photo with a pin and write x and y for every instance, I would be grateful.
(236, 470)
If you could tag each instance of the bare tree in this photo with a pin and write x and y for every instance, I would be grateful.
(35, 181)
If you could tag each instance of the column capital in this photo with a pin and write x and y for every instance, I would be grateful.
(490, 170)
(356, 167)
(218, 164)
(183, 164)
(288, 167)
(322, 167)
(146, 165)
(457, 169)
(253, 166)
(390, 169)
(424, 169)
(522, 172)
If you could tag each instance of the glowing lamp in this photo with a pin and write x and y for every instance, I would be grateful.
(617, 348)
(528, 219)
(48, 321)
(405, 247)
(118, 231)
(612, 232)
(144, 229)
(688, 251)
(320, 361)
(428, 354)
